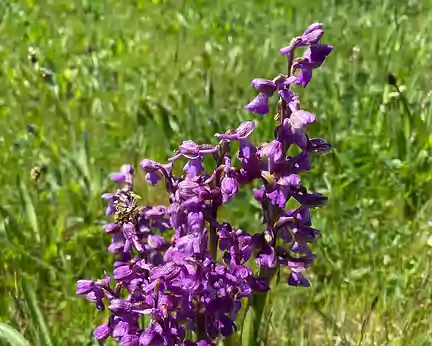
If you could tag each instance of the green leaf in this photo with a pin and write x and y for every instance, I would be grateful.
(12, 336)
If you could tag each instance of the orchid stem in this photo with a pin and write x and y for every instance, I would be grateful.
(255, 311)
(213, 237)
(213, 240)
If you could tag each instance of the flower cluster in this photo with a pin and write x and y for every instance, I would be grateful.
(179, 264)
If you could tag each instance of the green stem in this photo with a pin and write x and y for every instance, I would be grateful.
(255, 311)
(213, 237)
(290, 61)
(252, 322)
(213, 240)
(201, 334)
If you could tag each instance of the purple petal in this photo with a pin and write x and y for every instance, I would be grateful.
(204, 343)
(189, 149)
(259, 105)
(129, 230)
(302, 162)
(273, 150)
(84, 286)
(278, 198)
(300, 119)
(195, 222)
(225, 325)
(156, 213)
(104, 282)
(312, 200)
(153, 178)
(318, 146)
(318, 53)
(303, 216)
(111, 227)
(119, 178)
(290, 80)
(107, 196)
(306, 234)
(245, 129)
(290, 180)
(122, 272)
(129, 340)
(297, 279)
(187, 188)
(286, 50)
(287, 95)
(111, 209)
(267, 87)
(267, 257)
(120, 329)
(115, 248)
(102, 332)
(150, 337)
(156, 241)
(120, 306)
(127, 169)
(304, 78)
(301, 248)
(312, 35)
(150, 166)
(247, 149)
(259, 194)
(298, 265)
(229, 188)
(313, 27)
(194, 167)
(285, 235)
(167, 272)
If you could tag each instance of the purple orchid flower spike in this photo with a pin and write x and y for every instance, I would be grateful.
(181, 265)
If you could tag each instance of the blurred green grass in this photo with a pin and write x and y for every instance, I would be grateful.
(132, 79)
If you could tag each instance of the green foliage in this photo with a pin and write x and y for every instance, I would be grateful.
(126, 80)
(12, 336)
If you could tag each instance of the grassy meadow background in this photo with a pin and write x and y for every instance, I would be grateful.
(133, 78)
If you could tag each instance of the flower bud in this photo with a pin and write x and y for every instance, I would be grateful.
(102, 332)
(267, 87)
(312, 35)
(149, 166)
(120, 307)
(156, 241)
(84, 286)
(229, 188)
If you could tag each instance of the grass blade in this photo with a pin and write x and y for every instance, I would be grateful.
(12, 336)
(36, 314)
(29, 209)
(366, 320)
